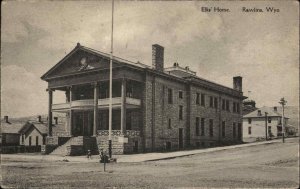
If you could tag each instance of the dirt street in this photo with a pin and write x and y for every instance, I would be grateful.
(270, 165)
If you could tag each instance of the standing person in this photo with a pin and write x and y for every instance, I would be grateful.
(101, 154)
(89, 154)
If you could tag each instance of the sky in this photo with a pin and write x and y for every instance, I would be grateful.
(263, 47)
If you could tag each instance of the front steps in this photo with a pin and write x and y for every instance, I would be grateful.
(77, 146)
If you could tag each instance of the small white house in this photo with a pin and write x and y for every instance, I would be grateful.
(254, 124)
(33, 134)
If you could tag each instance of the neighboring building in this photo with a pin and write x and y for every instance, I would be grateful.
(155, 108)
(10, 135)
(254, 124)
(34, 133)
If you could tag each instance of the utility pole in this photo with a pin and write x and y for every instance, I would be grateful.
(283, 103)
(110, 83)
(266, 124)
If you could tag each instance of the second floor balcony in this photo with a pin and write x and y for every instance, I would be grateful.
(81, 97)
(87, 104)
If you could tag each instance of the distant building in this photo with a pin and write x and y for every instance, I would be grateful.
(154, 108)
(34, 133)
(10, 135)
(254, 124)
(28, 131)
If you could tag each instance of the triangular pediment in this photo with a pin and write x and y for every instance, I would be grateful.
(79, 60)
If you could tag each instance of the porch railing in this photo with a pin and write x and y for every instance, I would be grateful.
(89, 103)
(119, 133)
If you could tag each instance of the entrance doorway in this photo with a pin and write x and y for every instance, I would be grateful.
(82, 124)
(180, 138)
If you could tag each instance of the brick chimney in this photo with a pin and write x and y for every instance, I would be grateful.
(158, 57)
(6, 119)
(238, 83)
(275, 108)
(39, 118)
(258, 112)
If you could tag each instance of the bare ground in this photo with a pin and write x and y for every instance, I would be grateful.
(271, 165)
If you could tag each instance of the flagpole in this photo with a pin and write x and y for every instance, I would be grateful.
(110, 83)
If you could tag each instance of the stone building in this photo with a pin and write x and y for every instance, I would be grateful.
(154, 108)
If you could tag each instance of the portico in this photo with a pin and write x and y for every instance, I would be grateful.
(86, 106)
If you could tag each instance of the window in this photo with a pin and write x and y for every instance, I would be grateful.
(44, 140)
(197, 126)
(223, 104)
(249, 130)
(169, 124)
(216, 102)
(269, 119)
(279, 121)
(36, 140)
(223, 128)
(180, 94)
(23, 138)
(233, 107)
(170, 96)
(202, 126)
(202, 100)
(211, 103)
(211, 127)
(238, 108)
(197, 98)
(29, 141)
(180, 112)
(269, 129)
(234, 130)
(227, 105)
(249, 120)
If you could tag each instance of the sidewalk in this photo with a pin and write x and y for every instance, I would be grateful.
(161, 156)
(132, 158)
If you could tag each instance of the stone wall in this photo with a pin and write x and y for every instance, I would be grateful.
(134, 144)
(217, 115)
(157, 112)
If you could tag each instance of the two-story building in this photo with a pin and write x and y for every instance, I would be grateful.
(154, 108)
(262, 120)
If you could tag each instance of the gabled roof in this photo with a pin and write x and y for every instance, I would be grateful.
(120, 62)
(97, 53)
(11, 127)
(40, 127)
(270, 110)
